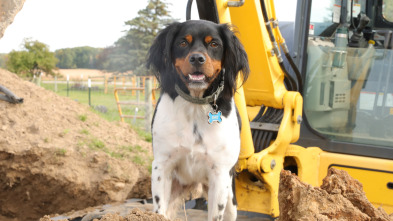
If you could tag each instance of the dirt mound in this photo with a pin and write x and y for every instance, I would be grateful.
(8, 10)
(340, 197)
(56, 155)
(135, 215)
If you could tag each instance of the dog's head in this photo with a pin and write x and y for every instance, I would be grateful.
(193, 55)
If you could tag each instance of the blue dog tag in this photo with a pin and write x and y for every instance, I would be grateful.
(215, 117)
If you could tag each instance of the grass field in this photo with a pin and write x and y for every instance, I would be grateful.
(99, 101)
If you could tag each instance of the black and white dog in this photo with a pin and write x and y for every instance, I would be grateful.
(196, 138)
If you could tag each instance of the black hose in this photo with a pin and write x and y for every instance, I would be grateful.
(292, 82)
(188, 10)
(267, 22)
(258, 141)
(9, 96)
(297, 72)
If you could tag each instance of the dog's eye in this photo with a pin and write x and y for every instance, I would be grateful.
(183, 44)
(214, 44)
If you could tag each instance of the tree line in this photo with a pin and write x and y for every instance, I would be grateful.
(128, 53)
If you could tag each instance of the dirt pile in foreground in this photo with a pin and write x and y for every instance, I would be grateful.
(57, 156)
(340, 197)
(135, 215)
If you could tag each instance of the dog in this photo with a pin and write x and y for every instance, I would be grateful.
(196, 126)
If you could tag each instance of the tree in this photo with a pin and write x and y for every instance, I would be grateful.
(66, 58)
(79, 57)
(130, 51)
(34, 59)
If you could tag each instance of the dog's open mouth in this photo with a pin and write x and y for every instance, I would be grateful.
(196, 77)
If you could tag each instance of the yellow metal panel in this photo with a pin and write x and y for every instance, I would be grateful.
(246, 139)
(252, 195)
(267, 164)
(373, 173)
(247, 147)
(307, 161)
(265, 84)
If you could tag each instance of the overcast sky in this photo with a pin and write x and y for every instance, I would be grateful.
(95, 23)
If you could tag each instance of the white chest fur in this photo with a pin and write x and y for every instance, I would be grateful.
(189, 145)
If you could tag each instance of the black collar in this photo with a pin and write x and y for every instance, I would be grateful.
(205, 100)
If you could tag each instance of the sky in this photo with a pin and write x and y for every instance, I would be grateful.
(95, 23)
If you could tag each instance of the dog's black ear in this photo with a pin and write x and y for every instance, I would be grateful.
(159, 55)
(235, 57)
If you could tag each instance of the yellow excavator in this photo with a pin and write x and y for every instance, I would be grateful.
(327, 103)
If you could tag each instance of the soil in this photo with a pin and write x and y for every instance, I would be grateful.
(135, 215)
(56, 155)
(340, 197)
(8, 10)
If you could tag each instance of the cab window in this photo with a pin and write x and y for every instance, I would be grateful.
(387, 10)
(349, 77)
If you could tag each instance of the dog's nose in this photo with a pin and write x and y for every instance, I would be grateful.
(197, 59)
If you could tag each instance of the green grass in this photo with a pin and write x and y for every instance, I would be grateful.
(98, 97)
(142, 133)
(138, 160)
(97, 144)
(85, 132)
(61, 152)
(134, 153)
(64, 132)
(82, 117)
(133, 149)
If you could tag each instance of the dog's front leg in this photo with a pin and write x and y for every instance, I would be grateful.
(219, 189)
(161, 185)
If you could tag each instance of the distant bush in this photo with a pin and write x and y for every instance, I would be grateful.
(34, 59)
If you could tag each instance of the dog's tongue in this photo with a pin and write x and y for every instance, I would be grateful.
(197, 77)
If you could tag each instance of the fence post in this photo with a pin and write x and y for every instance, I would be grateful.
(55, 83)
(133, 83)
(68, 85)
(137, 85)
(105, 84)
(114, 82)
(148, 103)
(39, 79)
(89, 86)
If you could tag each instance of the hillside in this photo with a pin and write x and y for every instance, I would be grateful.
(57, 156)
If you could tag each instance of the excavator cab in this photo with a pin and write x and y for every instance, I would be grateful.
(345, 55)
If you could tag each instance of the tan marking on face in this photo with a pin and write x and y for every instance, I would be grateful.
(208, 39)
(188, 38)
(183, 67)
(211, 68)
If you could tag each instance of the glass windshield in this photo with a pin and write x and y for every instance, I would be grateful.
(348, 90)
(387, 10)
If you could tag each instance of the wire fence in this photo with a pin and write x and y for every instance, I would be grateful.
(126, 98)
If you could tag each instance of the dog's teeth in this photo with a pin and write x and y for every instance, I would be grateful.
(196, 77)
